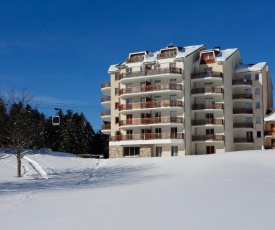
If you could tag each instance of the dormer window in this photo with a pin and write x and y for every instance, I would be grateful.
(207, 58)
(171, 53)
(136, 58)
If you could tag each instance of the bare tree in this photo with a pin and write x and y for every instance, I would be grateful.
(23, 126)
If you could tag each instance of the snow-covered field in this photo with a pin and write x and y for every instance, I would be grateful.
(59, 191)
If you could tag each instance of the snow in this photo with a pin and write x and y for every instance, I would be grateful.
(223, 55)
(220, 191)
(250, 67)
(188, 50)
(112, 68)
(271, 116)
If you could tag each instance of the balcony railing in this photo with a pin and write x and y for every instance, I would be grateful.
(207, 106)
(243, 140)
(269, 133)
(135, 59)
(150, 88)
(106, 126)
(146, 121)
(105, 99)
(166, 55)
(151, 104)
(243, 110)
(241, 82)
(147, 136)
(105, 85)
(243, 125)
(151, 72)
(206, 90)
(206, 75)
(208, 138)
(207, 122)
(242, 96)
(105, 113)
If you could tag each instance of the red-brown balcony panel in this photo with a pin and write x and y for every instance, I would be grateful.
(242, 96)
(135, 58)
(170, 70)
(207, 122)
(242, 82)
(243, 140)
(150, 104)
(243, 110)
(105, 126)
(208, 138)
(156, 120)
(147, 136)
(105, 85)
(243, 125)
(167, 54)
(269, 133)
(206, 75)
(105, 113)
(150, 88)
(105, 99)
(207, 106)
(206, 90)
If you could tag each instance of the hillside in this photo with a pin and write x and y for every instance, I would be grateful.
(59, 191)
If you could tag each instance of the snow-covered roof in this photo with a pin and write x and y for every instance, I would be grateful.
(250, 67)
(223, 55)
(271, 116)
(187, 50)
(150, 57)
(112, 68)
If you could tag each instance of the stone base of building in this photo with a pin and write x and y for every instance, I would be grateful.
(115, 151)
(145, 151)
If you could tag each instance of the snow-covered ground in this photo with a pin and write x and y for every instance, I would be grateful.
(59, 191)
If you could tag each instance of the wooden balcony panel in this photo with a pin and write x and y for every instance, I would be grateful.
(105, 99)
(150, 88)
(207, 106)
(208, 138)
(243, 110)
(145, 121)
(206, 74)
(207, 122)
(105, 126)
(206, 90)
(147, 136)
(243, 140)
(135, 59)
(242, 96)
(105, 85)
(105, 113)
(150, 104)
(243, 125)
(241, 82)
(269, 133)
(151, 72)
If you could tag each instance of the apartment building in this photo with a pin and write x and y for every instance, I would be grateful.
(185, 101)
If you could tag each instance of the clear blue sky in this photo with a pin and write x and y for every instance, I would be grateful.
(60, 50)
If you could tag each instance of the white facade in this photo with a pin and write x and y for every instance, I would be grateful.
(184, 101)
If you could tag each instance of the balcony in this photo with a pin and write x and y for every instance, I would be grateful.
(106, 101)
(150, 72)
(106, 88)
(207, 122)
(150, 88)
(243, 140)
(242, 125)
(208, 138)
(166, 55)
(207, 75)
(147, 136)
(241, 82)
(207, 106)
(151, 104)
(147, 121)
(243, 96)
(243, 111)
(208, 90)
(134, 59)
(106, 115)
(269, 133)
(106, 129)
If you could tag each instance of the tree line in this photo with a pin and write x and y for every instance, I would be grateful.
(23, 129)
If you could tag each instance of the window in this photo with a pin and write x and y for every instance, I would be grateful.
(129, 131)
(158, 151)
(249, 134)
(256, 77)
(157, 98)
(129, 85)
(129, 70)
(157, 66)
(174, 151)
(257, 91)
(172, 65)
(208, 69)
(173, 81)
(173, 97)
(258, 120)
(248, 105)
(207, 56)
(209, 131)
(258, 105)
(173, 114)
(247, 77)
(129, 101)
(259, 134)
(116, 120)
(157, 114)
(142, 84)
(116, 76)
(247, 91)
(208, 85)
(208, 100)
(158, 132)
(209, 116)
(117, 105)
(248, 120)
(116, 91)
(158, 82)
(142, 99)
(130, 151)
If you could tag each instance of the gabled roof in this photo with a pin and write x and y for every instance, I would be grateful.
(270, 116)
(112, 68)
(250, 67)
(223, 55)
(187, 50)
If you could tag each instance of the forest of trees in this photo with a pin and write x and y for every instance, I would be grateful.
(24, 128)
